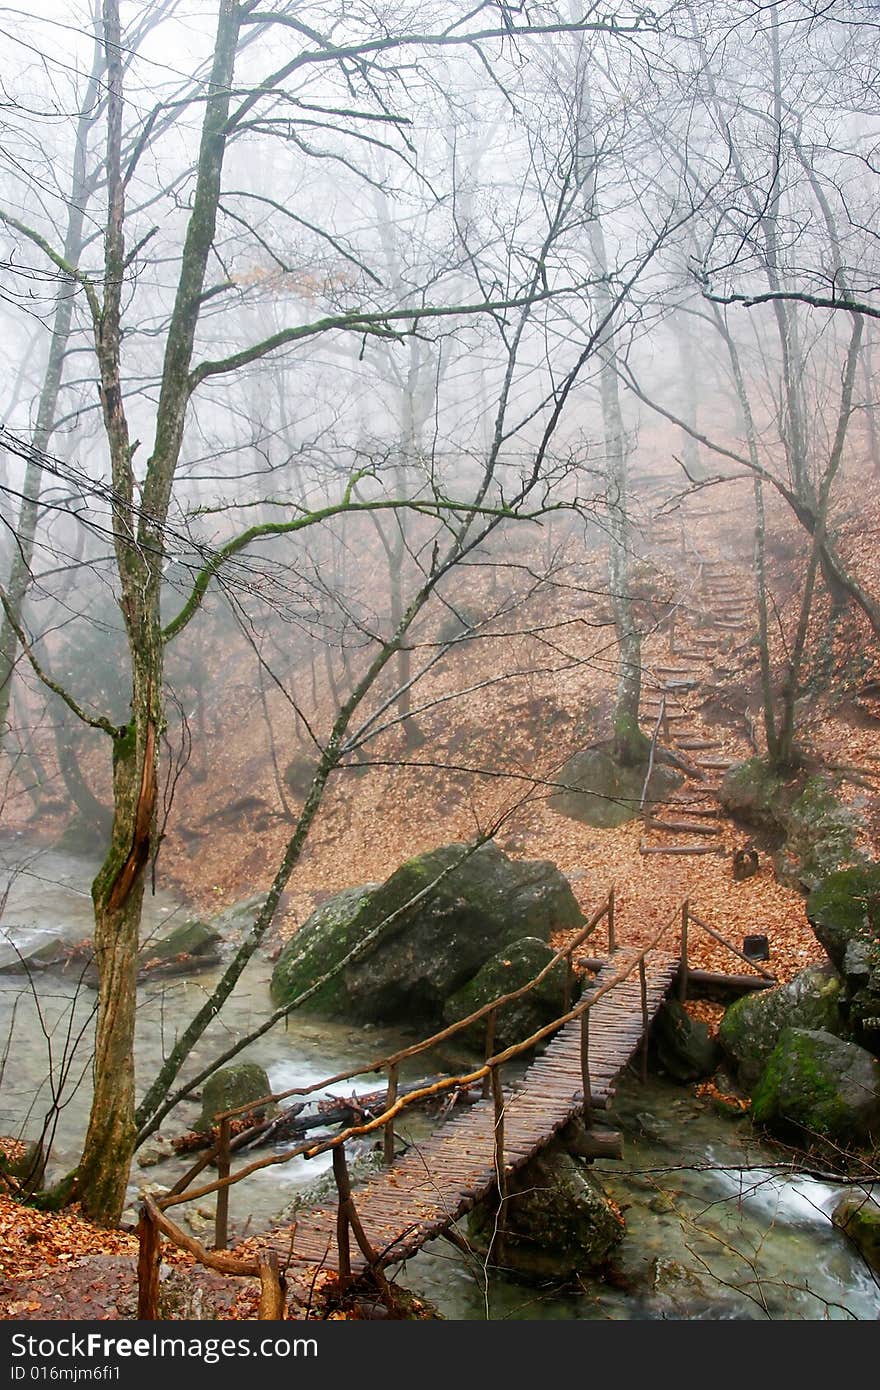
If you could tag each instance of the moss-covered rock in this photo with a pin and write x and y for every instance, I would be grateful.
(191, 945)
(818, 1086)
(504, 972)
(323, 940)
(230, 1087)
(844, 912)
(423, 933)
(681, 1045)
(751, 1027)
(559, 1221)
(801, 816)
(858, 1216)
(601, 790)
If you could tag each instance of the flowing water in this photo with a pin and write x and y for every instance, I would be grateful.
(716, 1228)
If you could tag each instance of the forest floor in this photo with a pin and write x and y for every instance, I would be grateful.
(534, 686)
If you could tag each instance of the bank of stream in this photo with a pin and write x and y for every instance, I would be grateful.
(716, 1226)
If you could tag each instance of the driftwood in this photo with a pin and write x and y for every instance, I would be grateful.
(292, 1124)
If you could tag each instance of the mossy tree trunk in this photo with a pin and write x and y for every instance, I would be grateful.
(140, 549)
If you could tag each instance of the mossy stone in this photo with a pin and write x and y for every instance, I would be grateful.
(601, 790)
(230, 1087)
(681, 1045)
(751, 1027)
(844, 912)
(818, 1086)
(858, 1216)
(508, 970)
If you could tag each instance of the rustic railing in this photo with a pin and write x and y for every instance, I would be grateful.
(154, 1218)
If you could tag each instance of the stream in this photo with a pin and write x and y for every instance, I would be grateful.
(715, 1228)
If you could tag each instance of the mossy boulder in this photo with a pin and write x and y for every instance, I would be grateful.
(504, 972)
(423, 933)
(858, 1216)
(801, 817)
(559, 1221)
(22, 1159)
(602, 790)
(751, 1027)
(844, 912)
(818, 1086)
(681, 1045)
(323, 940)
(230, 1087)
(190, 946)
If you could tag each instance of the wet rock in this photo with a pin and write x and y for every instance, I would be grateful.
(751, 1027)
(858, 1216)
(559, 1220)
(682, 1045)
(818, 1086)
(23, 949)
(230, 1087)
(415, 957)
(844, 912)
(508, 970)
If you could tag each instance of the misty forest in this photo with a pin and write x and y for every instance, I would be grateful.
(440, 659)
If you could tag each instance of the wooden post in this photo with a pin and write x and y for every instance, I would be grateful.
(568, 987)
(585, 1067)
(490, 1048)
(149, 1255)
(390, 1098)
(643, 983)
(221, 1216)
(672, 633)
(272, 1285)
(611, 938)
(683, 968)
(343, 1191)
(496, 1245)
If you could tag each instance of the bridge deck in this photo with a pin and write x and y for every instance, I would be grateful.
(430, 1187)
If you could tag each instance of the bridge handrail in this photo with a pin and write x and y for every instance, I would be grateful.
(312, 1150)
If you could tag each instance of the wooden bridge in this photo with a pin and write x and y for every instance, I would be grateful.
(423, 1194)
(468, 1158)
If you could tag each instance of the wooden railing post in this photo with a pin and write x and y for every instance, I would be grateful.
(496, 1245)
(612, 943)
(343, 1192)
(272, 1305)
(585, 1067)
(489, 1050)
(390, 1098)
(568, 986)
(148, 1267)
(221, 1215)
(683, 969)
(643, 984)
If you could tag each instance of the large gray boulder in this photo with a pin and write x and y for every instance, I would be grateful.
(423, 933)
(818, 1086)
(506, 971)
(681, 1045)
(751, 1027)
(559, 1221)
(844, 912)
(597, 788)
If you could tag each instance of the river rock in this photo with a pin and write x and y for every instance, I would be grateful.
(23, 949)
(818, 1085)
(844, 912)
(858, 1216)
(504, 972)
(190, 946)
(415, 957)
(751, 1027)
(230, 1087)
(22, 1159)
(559, 1221)
(681, 1045)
